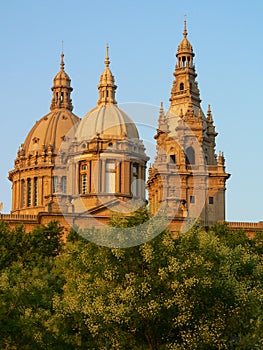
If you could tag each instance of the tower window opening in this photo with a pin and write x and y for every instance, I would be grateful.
(110, 177)
(211, 200)
(183, 61)
(190, 155)
(181, 86)
(172, 158)
(192, 199)
(56, 97)
(62, 97)
(35, 200)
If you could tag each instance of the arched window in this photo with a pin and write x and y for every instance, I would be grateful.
(181, 86)
(190, 155)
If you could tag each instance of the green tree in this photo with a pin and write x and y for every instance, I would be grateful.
(202, 290)
(27, 285)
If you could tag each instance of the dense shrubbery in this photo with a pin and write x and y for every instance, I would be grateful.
(203, 290)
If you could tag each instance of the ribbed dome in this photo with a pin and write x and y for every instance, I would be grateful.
(185, 46)
(106, 121)
(50, 130)
(62, 79)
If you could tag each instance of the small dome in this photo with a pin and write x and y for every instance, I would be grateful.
(62, 79)
(185, 46)
(50, 131)
(106, 121)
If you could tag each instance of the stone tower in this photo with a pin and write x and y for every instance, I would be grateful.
(187, 179)
(34, 184)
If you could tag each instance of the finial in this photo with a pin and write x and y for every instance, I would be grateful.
(107, 60)
(185, 30)
(162, 123)
(209, 114)
(199, 114)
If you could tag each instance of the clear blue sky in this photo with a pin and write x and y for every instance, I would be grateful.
(143, 37)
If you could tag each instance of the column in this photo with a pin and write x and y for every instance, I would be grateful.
(89, 176)
(102, 174)
(118, 177)
(76, 179)
(126, 175)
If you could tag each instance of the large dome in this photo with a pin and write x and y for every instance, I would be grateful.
(108, 122)
(50, 130)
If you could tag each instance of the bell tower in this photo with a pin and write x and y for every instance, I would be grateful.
(185, 88)
(187, 178)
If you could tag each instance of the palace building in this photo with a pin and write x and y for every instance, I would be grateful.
(83, 171)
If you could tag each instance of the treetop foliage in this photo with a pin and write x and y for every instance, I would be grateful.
(202, 290)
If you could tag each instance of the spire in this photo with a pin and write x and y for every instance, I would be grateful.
(209, 114)
(162, 123)
(61, 89)
(185, 30)
(107, 85)
(107, 60)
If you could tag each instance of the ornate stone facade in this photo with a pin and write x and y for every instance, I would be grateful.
(69, 169)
